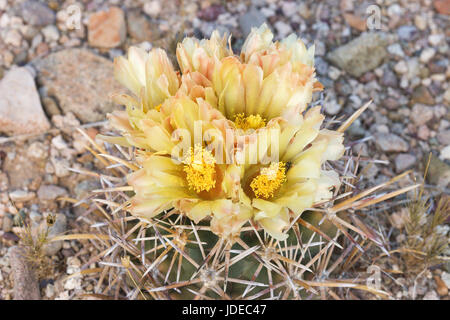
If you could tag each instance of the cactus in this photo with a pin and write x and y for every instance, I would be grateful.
(176, 221)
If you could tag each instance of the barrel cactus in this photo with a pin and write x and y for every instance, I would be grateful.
(224, 180)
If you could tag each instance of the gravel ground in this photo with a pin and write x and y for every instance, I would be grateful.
(56, 56)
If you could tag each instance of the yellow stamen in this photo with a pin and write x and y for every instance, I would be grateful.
(200, 170)
(269, 180)
(158, 107)
(249, 122)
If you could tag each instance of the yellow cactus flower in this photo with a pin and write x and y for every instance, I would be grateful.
(267, 87)
(201, 55)
(177, 172)
(285, 188)
(150, 76)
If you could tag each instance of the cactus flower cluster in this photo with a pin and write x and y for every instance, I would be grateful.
(228, 138)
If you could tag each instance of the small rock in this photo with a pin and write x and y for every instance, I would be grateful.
(445, 276)
(50, 106)
(252, 19)
(442, 6)
(20, 107)
(444, 137)
(50, 192)
(401, 67)
(421, 94)
(389, 79)
(396, 49)
(13, 38)
(420, 22)
(141, 28)
(107, 29)
(211, 12)
(61, 167)
(152, 8)
(445, 153)
(355, 22)
(360, 55)
(67, 73)
(332, 107)
(404, 161)
(427, 54)
(421, 114)
(389, 142)
(59, 143)
(431, 295)
(423, 132)
(8, 223)
(21, 195)
(37, 150)
(438, 172)
(407, 33)
(37, 13)
(282, 28)
(435, 39)
(26, 285)
(50, 33)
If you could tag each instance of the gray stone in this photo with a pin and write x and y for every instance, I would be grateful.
(20, 108)
(21, 195)
(141, 28)
(50, 192)
(407, 33)
(252, 19)
(421, 114)
(389, 142)
(37, 13)
(404, 161)
(80, 81)
(360, 55)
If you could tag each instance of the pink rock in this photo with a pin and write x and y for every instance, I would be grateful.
(107, 29)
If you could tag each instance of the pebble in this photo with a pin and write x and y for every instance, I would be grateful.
(50, 33)
(431, 295)
(407, 32)
(422, 95)
(141, 28)
(8, 223)
(66, 73)
(332, 107)
(50, 192)
(152, 8)
(21, 112)
(360, 55)
(445, 153)
(251, 19)
(37, 13)
(427, 54)
(107, 29)
(420, 22)
(21, 195)
(421, 114)
(401, 67)
(396, 49)
(283, 29)
(389, 142)
(423, 132)
(13, 38)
